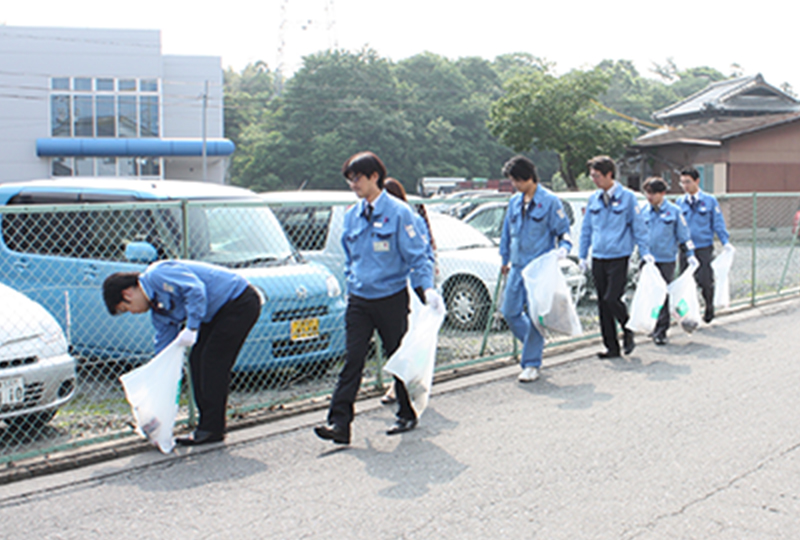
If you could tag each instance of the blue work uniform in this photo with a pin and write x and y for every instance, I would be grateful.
(529, 230)
(704, 217)
(384, 247)
(611, 230)
(222, 307)
(380, 253)
(667, 231)
(187, 291)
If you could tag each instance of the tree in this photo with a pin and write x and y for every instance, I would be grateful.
(559, 114)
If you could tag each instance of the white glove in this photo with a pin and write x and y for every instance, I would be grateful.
(562, 253)
(649, 259)
(693, 262)
(583, 265)
(186, 338)
(728, 247)
(434, 300)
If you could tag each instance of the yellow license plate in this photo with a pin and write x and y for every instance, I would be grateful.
(305, 329)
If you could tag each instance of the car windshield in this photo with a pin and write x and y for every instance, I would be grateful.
(236, 236)
(451, 234)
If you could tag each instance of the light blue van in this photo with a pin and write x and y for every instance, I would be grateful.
(81, 230)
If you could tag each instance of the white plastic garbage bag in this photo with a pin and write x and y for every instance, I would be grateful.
(415, 358)
(153, 390)
(721, 265)
(651, 292)
(683, 302)
(549, 300)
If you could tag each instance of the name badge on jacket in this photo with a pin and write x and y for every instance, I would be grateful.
(380, 246)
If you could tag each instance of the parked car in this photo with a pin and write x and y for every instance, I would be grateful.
(468, 262)
(461, 203)
(37, 374)
(60, 256)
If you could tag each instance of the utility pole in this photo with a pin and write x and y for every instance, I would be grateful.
(205, 134)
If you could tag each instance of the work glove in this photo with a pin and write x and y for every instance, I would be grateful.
(562, 253)
(434, 300)
(583, 265)
(649, 259)
(186, 338)
(693, 261)
(728, 247)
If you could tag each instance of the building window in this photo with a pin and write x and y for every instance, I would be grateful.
(104, 107)
(140, 167)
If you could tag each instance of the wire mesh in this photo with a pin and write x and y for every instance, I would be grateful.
(61, 353)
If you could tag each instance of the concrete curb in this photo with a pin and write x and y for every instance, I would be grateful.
(120, 456)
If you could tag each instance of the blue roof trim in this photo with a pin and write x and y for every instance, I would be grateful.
(76, 146)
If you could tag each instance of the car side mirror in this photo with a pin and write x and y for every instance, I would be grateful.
(141, 252)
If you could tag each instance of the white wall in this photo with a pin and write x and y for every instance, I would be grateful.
(30, 56)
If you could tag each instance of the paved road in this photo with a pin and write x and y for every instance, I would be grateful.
(698, 439)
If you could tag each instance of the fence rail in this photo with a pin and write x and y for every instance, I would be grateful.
(61, 354)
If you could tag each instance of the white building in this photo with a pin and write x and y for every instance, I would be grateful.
(91, 102)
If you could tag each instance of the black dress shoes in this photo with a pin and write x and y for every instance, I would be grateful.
(627, 342)
(200, 436)
(607, 354)
(660, 340)
(401, 425)
(332, 432)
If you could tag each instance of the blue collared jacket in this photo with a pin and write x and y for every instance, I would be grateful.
(187, 291)
(381, 253)
(613, 231)
(535, 229)
(667, 230)
(704, 219)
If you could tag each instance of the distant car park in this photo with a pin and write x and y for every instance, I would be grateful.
(468, 261)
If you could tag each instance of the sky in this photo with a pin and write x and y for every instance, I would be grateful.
(759, 37)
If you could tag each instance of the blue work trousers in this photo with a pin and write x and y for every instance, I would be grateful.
(516, 314)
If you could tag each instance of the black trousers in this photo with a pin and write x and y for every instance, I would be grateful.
(610, 277)
(704, 276)
(667, 270)
(213, 356)
(389, 316)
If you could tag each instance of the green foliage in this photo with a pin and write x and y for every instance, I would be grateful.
(431, 116)
(559, 114)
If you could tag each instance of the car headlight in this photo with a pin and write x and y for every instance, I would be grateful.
(334, 289)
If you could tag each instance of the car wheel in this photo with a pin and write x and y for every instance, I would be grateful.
(467, 305)
(30, 422)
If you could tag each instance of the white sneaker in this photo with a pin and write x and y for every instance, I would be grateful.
(529, 374)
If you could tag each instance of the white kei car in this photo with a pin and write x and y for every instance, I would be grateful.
(37, 374)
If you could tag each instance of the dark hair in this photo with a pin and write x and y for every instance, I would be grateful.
(396, 189)
(690, 171)
(365, 163)
(654, 184)
(520, 168)
(113, 287)
(603, 165)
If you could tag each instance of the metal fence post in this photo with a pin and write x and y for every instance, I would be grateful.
(795, 234)
(490, 317)
(185, 255)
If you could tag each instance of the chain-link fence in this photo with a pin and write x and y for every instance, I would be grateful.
(61, 353)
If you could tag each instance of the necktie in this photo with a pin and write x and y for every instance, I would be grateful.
(606, 198)
(368, 212)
